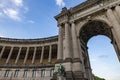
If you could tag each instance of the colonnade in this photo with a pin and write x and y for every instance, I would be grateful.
(51, 48)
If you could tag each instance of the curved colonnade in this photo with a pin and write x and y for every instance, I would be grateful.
(21, 55)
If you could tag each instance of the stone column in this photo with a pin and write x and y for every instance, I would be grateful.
(26, 56)
(16, 61)
(115, 29)
(50, 53)
(117, 9)
(75, 42)
(60, 45)
(34, 54)
(3, 48)
(11, 50)
(77, 63)
(67, 52)
(42, 55)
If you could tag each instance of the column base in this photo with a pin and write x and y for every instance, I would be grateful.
(78, 75)
(69, 75)
(77, 60)
(54, 76)
(68, 60)
(59, 61)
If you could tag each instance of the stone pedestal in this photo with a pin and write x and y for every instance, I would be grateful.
(79, 75)
(69, 75)
(61, 78)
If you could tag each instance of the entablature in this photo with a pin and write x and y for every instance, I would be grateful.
(29, 41)
(85, 9)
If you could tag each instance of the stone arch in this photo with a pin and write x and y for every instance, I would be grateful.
(87, 31)
(93, 28)
(98, 27)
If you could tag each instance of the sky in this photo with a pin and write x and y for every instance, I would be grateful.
(35, 19)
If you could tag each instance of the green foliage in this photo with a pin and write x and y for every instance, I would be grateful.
(98, 78)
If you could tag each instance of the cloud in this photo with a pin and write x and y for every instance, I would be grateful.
(60, 3)
(13, 14)
(12, 9)
(31, 21)
(18, 2)
(103, 56)
(0, 13)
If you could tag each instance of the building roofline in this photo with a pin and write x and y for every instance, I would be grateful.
(80, 7)
(3, 39)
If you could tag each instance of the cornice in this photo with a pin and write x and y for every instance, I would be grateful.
(80, 7)
(26, 41)
(28, 66)
(85, 5)
(64, 12)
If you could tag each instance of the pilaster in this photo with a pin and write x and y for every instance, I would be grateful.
(60, 45)
(74, 42)
(117, 9)
(116, 28)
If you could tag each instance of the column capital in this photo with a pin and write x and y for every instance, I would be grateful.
(66, 22)
(59, 25)
(72, 22)
(117, 4)
(108, 7)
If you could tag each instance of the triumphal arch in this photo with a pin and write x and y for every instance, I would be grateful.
(77, 25)
(40, 59)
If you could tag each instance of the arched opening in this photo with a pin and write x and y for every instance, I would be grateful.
(90, 29)
(104, 62)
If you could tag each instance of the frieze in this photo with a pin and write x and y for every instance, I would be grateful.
(91, 7)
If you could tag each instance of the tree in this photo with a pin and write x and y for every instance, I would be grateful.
(98, 78)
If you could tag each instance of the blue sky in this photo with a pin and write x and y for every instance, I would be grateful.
(35, 19)
(31, 18)
(103, 58)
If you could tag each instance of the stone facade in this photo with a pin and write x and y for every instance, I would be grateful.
(77, 25)
(30, 59)
(37, 59)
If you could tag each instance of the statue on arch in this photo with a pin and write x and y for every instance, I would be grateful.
(60, 70)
